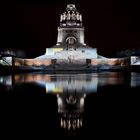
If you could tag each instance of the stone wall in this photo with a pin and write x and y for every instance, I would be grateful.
(71, 62)
(93, 62)
(32, 62)
(111, 62)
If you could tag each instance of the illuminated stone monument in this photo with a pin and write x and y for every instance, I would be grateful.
(70, 51)
(70, 47)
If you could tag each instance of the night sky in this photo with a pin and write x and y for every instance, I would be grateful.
(31, 25)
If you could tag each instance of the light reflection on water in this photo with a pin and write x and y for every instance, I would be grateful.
(61, 83)
(72, 90)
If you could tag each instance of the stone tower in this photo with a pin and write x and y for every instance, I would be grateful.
(70, 48)
(71, 30)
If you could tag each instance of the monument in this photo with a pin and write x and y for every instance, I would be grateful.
(70, 51)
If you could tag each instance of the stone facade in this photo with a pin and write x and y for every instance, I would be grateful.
(71, 49)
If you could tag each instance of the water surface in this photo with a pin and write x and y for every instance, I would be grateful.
(72, 104)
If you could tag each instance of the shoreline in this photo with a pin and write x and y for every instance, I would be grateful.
(74, 68)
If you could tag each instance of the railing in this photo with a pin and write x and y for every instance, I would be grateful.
(4, 62)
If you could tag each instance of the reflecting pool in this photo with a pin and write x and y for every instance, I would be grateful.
(72, 104)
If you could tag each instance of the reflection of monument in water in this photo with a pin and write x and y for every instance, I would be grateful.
(71, 90)
(70, 109)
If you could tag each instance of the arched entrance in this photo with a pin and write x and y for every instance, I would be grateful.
(71, 40)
